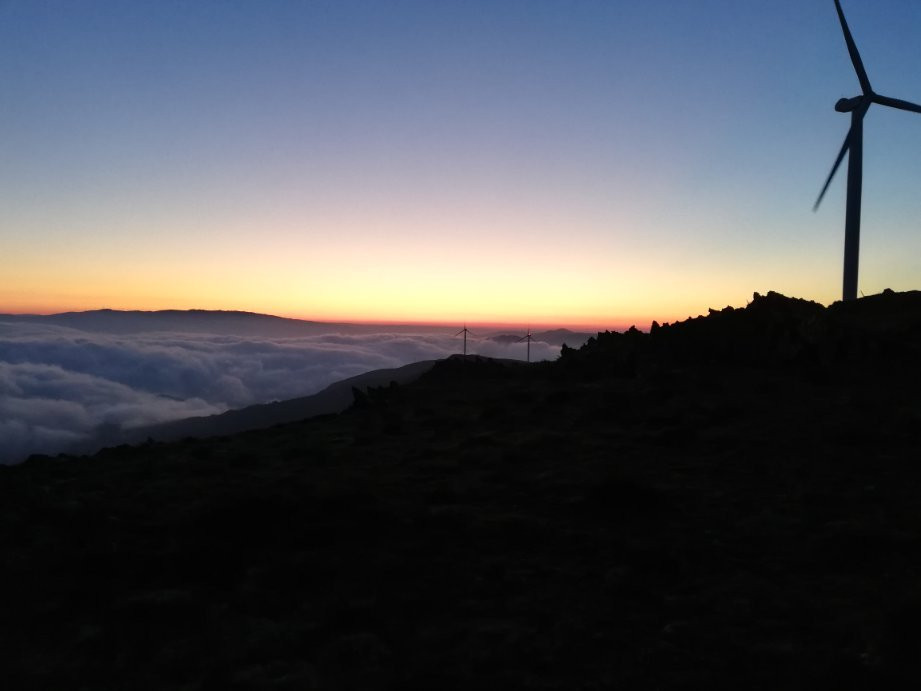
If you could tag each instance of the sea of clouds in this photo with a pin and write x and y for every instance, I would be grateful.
(59, 385)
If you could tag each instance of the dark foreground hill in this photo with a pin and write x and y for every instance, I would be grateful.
(726, 502)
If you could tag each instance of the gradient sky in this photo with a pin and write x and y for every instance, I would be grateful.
(575, 162)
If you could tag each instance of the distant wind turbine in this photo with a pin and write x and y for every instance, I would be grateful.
(853, 146)
(464, 331)
(528, 339)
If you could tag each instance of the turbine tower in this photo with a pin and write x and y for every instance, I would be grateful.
(853, 146)
(464, 331)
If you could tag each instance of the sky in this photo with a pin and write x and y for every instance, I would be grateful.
(592, 163)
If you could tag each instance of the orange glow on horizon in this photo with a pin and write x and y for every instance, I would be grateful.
(425, 319)
(482, 284)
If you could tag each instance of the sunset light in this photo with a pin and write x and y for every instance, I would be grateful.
(581, 163)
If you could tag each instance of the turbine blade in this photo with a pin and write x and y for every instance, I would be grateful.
(852, 50)
(896, 103)
(834, 169)
(460, 332)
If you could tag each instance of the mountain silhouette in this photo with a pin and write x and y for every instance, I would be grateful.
(182, 321)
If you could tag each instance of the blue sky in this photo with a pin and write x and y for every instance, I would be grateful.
(589, 162)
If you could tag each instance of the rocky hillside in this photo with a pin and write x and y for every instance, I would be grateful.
(726, 502)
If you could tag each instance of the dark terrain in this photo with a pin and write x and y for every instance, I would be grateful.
(732, 501)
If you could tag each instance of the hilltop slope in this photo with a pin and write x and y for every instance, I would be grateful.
(333, 399)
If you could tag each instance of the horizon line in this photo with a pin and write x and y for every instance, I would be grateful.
(489, 323)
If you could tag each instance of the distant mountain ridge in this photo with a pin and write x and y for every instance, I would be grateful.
(223, 322)
(243, 323)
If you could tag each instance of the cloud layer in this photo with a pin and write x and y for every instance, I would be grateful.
(59, 385)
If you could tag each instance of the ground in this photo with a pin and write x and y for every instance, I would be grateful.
(643, 513)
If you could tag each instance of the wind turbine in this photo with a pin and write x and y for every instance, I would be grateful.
(528, 339)
(853, 146)
(464, 331)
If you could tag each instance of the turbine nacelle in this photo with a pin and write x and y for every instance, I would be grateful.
(846, 105)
